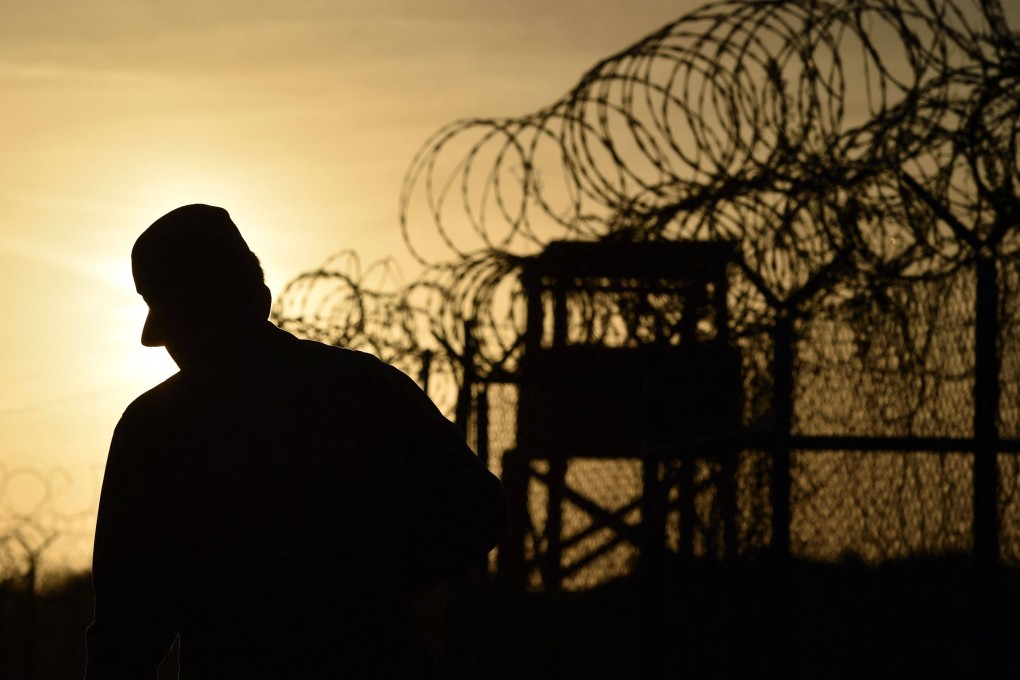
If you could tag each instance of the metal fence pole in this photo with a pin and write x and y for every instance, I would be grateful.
(986, 467)
(462, 414)
(426, 369)
(782, 418)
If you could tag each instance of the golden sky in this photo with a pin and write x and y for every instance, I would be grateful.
(299, 117)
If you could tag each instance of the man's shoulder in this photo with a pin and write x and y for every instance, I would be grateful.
(168, 391)
(151, 414)
(344, 359)
(332, 365)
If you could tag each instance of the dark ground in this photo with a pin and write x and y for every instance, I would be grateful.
(914, 618)
(907, 619)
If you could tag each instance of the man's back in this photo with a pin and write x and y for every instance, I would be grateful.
(278, 512)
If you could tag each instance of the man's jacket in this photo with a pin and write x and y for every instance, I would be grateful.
(277, 514)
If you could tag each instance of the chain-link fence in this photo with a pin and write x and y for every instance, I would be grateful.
(852, 395)
(882, 447)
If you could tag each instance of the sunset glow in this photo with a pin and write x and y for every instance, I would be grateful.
(301, 119)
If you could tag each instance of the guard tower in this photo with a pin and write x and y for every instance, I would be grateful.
(627, 357)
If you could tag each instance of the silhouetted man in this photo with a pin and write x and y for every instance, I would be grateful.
(277, 501)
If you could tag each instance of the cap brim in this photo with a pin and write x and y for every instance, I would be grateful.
(152, 335)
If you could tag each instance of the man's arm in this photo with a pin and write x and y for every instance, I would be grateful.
(455, 511)
(133, 628)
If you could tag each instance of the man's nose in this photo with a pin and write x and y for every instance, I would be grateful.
(152, 331)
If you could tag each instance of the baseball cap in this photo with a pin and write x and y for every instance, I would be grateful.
(184, 256)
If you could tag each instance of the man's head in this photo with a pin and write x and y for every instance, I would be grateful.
(201, 281)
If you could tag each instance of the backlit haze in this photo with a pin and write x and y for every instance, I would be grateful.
(300, 118)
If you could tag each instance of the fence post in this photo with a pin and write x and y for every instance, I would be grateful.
(510, 558)
(552, 562)
(986, 414)
(459, 646)
(462, 415)
(426, 369)
(782, 419)
(986, 467)
(482, 422)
